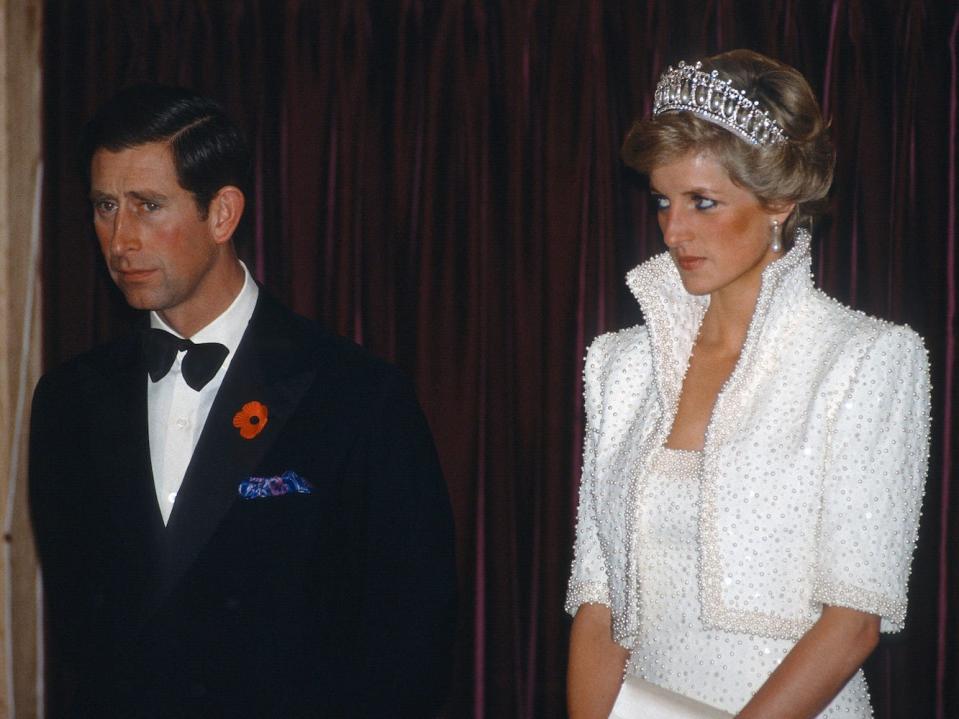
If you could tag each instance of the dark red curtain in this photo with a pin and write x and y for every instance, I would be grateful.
(440, 181)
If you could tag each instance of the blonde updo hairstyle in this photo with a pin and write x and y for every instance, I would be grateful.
(798, 171)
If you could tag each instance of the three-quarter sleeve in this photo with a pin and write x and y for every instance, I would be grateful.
(589, 582)
(874, 477)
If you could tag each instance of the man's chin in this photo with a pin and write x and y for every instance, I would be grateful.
(138, 299)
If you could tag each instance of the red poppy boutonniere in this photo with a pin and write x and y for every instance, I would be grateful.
(251, 419)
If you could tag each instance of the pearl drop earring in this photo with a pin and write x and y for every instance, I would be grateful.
(776, 237)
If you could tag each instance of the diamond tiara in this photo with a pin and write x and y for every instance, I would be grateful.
(688, 88)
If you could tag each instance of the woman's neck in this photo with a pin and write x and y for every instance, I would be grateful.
(727, 318)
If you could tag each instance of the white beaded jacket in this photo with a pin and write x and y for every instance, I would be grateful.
(813, 465)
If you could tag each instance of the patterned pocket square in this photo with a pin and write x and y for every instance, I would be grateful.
(265, 487)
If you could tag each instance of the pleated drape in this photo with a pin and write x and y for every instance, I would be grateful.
(441, 182)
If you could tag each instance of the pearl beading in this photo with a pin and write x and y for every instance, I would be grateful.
(813, 356)
(675, 648)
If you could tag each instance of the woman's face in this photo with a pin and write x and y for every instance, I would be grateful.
(717, 232)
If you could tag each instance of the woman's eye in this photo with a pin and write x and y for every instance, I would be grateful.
(660, 202)
(704, 203)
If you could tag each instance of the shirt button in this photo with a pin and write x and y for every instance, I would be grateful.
(182, 423)
(171, 497)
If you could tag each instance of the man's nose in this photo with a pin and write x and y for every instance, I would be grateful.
(124, 236)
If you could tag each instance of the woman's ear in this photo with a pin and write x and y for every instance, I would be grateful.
(780, 212)
(226, 209)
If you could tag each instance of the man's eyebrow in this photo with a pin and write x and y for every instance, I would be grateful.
(146, 195)
(139, 195)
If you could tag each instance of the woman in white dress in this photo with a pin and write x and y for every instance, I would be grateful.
(755, 452)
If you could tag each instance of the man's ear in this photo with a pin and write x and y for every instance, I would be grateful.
(226, 209)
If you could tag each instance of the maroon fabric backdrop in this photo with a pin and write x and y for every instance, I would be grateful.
(441, 182)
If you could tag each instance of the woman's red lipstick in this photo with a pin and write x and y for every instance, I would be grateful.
(690, 263)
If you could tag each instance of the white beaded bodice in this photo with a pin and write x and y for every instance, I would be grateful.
(812, 470)
(674, 649)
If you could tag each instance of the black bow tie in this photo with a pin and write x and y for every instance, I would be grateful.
(199, 365)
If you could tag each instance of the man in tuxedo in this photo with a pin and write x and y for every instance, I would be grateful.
(238, 514)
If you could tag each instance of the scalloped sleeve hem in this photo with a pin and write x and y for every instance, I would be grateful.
(892, 613)
(581, 593)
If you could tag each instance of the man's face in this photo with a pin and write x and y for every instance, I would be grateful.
(159, 249)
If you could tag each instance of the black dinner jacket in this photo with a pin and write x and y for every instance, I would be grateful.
(336, 603)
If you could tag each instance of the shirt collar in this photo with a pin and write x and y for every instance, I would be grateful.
(228, 328)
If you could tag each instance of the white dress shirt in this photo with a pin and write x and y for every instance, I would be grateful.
(176, 411)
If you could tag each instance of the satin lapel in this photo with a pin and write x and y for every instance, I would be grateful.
(269, 368)
(120, 447)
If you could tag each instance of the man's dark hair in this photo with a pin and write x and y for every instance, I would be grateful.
(208, 149)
